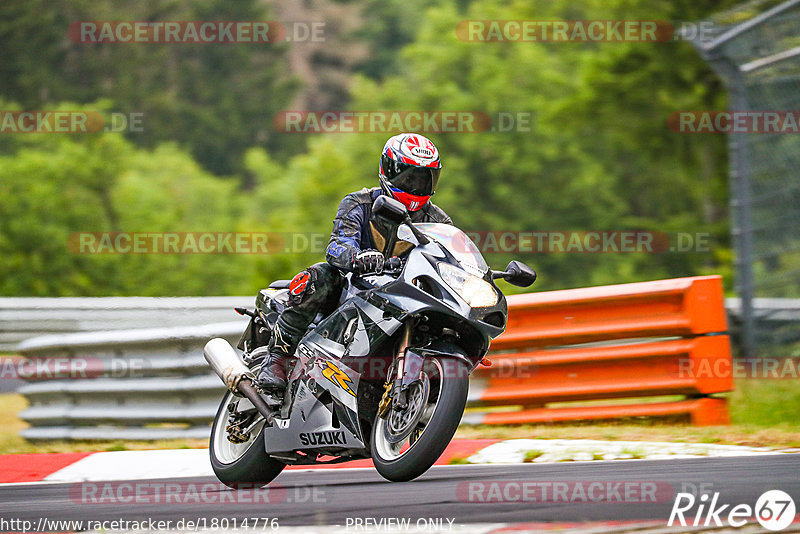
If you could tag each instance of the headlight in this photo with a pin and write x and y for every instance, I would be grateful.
(478, 293)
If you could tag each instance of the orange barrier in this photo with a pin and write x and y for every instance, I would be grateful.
(628, 363)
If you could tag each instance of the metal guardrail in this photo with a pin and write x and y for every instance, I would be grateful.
(143, 384)
(778, 319)
(777, 310)
(153, 383)
(25, 317)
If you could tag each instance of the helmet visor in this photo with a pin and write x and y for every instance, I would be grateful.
(421, 181)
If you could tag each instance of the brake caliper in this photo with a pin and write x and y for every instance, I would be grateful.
(237, 421)
(386, 400)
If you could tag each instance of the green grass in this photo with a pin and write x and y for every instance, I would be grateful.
(636, 454)
(530, 456)
(783, 436)
(767, 403)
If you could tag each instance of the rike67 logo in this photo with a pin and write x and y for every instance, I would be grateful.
(774, 510)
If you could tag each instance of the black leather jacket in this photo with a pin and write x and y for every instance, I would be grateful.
(355, 230)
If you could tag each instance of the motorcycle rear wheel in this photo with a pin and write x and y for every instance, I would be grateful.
(449, 385)
(243, 465)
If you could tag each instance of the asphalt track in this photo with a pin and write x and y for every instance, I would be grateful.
(337, 497)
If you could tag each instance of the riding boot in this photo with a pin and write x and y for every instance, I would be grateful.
(317, 289)
(282, 345)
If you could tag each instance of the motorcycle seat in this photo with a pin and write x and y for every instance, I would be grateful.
(280, 284)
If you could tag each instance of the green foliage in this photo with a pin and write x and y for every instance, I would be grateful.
(599, 155)
(388, 25)
(56, 187)
(215, 99)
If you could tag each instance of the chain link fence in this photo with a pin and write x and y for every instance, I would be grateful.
(755, 49)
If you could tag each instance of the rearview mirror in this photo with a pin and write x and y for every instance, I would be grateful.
(389, 210)
(519, 274)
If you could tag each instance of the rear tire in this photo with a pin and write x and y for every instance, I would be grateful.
(436, 434)
(245, 465)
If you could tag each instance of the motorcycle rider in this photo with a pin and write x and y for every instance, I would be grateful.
(409, 172)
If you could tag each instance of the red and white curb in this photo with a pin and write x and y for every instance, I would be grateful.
(138, 465)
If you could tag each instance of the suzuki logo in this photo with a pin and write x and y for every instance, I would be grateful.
(322, 438)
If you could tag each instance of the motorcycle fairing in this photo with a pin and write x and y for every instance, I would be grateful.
(322, 393)
(353, 330)
(323, 414)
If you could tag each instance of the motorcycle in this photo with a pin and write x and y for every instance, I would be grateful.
(384, 376)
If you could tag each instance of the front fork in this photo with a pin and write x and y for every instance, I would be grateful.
(393, 389)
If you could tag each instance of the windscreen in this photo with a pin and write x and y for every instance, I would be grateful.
(454, 240)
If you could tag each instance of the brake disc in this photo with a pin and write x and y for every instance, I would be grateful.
(400, 423)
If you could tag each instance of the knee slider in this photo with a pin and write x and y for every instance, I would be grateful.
(301, 287)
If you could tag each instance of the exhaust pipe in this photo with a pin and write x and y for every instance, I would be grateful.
(226, 363)
(234, 373)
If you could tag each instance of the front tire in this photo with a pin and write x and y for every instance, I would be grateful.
(244, 465)
(449, 385)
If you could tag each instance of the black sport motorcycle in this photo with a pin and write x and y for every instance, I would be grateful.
(385, 375)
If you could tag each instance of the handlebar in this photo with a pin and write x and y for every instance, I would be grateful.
(393, 265)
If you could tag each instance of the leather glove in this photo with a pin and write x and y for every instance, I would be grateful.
(368, 261)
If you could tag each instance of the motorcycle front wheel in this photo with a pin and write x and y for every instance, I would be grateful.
(240, 465)
(439, 400)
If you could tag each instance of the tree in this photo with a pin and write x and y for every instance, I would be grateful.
(58, 188)
(215, 99)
